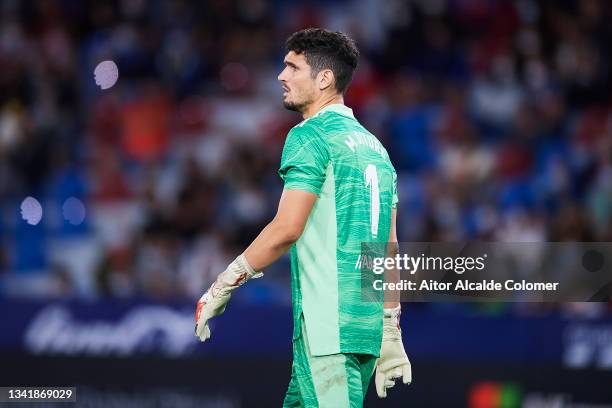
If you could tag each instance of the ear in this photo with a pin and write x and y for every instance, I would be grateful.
(325, 79)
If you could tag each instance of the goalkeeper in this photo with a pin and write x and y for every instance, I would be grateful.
(339, 191)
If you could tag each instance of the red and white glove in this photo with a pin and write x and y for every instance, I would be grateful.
(393, 362)
(213, 301)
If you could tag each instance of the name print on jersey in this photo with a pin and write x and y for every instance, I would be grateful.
(362, 139)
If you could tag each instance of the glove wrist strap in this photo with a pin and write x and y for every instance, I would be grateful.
(391, 319)
(237, 273)
(392, 313)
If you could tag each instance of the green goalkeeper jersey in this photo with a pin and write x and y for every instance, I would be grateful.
(332, 155)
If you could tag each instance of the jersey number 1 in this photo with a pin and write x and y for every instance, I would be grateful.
(371, 180)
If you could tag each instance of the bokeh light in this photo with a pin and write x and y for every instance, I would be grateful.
(74, 211)
(106, 74)
(31, 211)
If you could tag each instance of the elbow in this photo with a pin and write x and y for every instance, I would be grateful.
(288, 234)
(296, 235)
(291, 235)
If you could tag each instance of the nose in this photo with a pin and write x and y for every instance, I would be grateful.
(281, 76)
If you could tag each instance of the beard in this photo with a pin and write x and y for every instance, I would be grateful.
(299, 106)
(293, 106)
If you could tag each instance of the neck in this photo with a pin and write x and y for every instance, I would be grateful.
(314, 107)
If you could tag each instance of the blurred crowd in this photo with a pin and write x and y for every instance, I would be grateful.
(497, 116)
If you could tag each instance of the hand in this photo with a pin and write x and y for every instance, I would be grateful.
(393, 362)
(213, 301)
(211, 304)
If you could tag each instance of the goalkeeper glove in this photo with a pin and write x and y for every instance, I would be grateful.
(393, 362)
(213, 302)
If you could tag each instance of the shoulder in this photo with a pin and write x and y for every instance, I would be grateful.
(306, 140)
(307, 131)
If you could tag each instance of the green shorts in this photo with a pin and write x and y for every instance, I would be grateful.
(332, 381)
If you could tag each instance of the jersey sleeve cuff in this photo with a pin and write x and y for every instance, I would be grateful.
(302, 185)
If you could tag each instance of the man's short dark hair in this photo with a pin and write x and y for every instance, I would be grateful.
(324, 49)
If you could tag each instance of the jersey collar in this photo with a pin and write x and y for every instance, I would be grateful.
(338, 108)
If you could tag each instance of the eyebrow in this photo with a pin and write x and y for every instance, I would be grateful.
(291, 64)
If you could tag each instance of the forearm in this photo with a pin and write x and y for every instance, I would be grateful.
(392, 298)
(273, 241)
